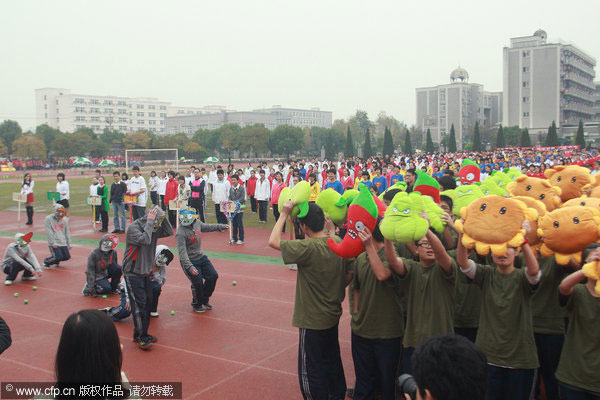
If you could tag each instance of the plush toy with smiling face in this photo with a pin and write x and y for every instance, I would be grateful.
(539, 189)
(469, 173)
(465, 195)
(402, 221)
(362, 214)
(572, 180)
(567, 231)
(489, 186)
(583, 201)
(494, 223)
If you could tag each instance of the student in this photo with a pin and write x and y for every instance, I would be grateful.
(153, 182)
(140, 250)
(137, 187)
(220, 193)
(262, 195)
(409, 177)
(364, 179)
(199, 188)
(276, 189)
(320, 289)
(117, 191)
(27, 189)
(161, 189)
(62, 187)
(580, 358)
(94, 192)
(429, 287)
(123, 310)
(315, 188)
(396, 176)
(183, 192)
(103, 272)
(333, 183)
(163, 257)
(251, 190)
(505, 331)
(377, 323)
(346, 180)
(125, 180)
(380, 182)
(19, 256)
(237, 193)
(196, 266)
(58, 236)
(171, 189)
(103, 208)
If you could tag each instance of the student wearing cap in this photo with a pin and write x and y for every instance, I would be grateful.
(18, 257)
(58, 236)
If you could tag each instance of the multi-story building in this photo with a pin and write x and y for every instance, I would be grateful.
(176, 111)
(299, 117)
(189, 124)
(597, 102)
(459, 103)
(545, 82)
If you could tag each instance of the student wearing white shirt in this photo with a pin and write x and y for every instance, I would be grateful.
(153, 182)
(212, 176)
(137, 186)
(262, 194)
(220, 193)
(62, 187)
(94, 192)
(162, 189)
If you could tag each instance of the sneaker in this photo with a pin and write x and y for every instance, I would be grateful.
(116, 291)
(46, 266)
(151, 339)
(84, 289)
(293, 267)
(105, 310)
(232, 242)
(116, 231)
(28, 278)
(208, 306)
(121, 231)
(199, 309)
(143, 344)
(103, 230)
(239, 242)
(154, 314)
(8, 282)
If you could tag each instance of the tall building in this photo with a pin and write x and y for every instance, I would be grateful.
(597, 102)
(460, 103)
(545, 82)
(299, 117)
(189, 124)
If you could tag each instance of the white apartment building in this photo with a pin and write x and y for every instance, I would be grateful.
(300, 117)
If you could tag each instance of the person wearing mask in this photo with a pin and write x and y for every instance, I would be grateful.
(220, 193)
(62, 187)
(103, 272)
(18, 257)
(171, 188)
(117, 191)
(137, 187)
(58, 236)
(27, 189)
(199, 188)
(163, 258)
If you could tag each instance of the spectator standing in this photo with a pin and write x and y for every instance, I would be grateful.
(117, 191)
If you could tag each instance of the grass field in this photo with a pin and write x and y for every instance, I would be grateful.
(79, 188)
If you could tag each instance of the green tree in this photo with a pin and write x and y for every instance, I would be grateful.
(113, 138)
(47, 134)
(525, 138)
(349, 147)
(29, 146)
(87, 131)
(98, 149)
(329, 147)
(362, 118)
(429, 147)
(552, 137)
(253, 139)
(67, 145)
(397, 128)
(512, 135)
(136, 140)
(407, 149)
(3, 148)
(367, 149)
(286, 139)
(452, 140)
(580, 138)
(388, 143)
(500, 142)
(210, 140)
(476, 137)
(8, 132)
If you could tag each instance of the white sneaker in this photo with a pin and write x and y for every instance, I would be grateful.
(7, 282)
(239, 242)
(28, 278)
(293, 267)
(154, 314)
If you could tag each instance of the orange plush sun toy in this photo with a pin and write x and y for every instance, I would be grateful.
(565, 232)
(494, 223)
(539, 189)
(532, 236)
(583, 201)
(571, 179)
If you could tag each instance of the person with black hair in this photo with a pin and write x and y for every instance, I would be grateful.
(377, 323)
(117, 191)
(429, 285)
(5, 338)
(262, 193)
(320, 289)
(62, 188)
(450, 367)
(446, 183)
(220, 193)
(27, 189)
(137, 187)
(379, 181)
(237, 193)
(410, 177)
(388, 196)
(199, 188)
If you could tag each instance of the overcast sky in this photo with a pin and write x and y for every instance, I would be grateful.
(337, 55)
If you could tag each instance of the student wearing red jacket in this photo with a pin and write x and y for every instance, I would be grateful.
(171, 194)
(251, 190)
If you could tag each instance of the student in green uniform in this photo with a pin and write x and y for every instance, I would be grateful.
(579, 368)
(429, 287)
(505, 331)
(549, 323)
(320, 289)
(467, 301)
(377, 323)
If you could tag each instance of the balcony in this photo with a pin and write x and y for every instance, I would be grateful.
(577, 107)
(581, 94)
(574, 77)
(577, 63)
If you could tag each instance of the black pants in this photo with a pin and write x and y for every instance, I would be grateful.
(320, 368)
(111, 281)
(13, 269)
(156, 290)
(262, 210)
(139, 289)
(572, 393)
(253, 204)
(221, 218)
(162, 202)
(154, 197)
(549, 348)
(172, 217)
(375, 364)
(469, 333)
(407, 353)
(510, 384)
(104, 218)
(197, 203)
(238, 227)
(276, 215)
(203, 284)
(29, 210)
(138, 211)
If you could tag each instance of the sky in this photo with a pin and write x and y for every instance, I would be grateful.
(245, 54)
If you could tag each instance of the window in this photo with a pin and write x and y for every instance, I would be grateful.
(163, 115)
(151, 114)
(79, 101)
(140, 114)
(45, 115)
(525, 69)
(526, 114)
(122, 128)
(57, 110)
(152, 107)
(94, 119)
(121, 103)
(140, 122)
(79, 109)
(162, 122)
(122, 111)
(140, 106)
(152, 122)
(45, 97)
(163, 107)
(525, 99)
(525, 53)
(108, 111)
(45, 106)
(123, 120)
(525, 84)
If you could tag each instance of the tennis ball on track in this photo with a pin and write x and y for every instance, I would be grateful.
(25, 301)
(234, 283)
(16, 294)
(172, 312)
(104, 296)
(35, 288)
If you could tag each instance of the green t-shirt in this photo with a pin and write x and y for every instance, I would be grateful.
(320, 283)
(548, 315)
(403, 252)
(467, 300)
(430, 301)
(379, 314)
(505, 324)
(579, 364)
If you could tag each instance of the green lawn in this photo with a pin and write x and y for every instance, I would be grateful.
(79, 192)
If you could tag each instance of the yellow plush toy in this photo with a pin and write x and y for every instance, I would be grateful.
(583, 201)
(539, 189)
(572, 180)
(494, 223)
(565, 232)
(532, 236)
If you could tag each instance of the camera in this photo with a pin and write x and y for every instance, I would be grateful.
(406, 385)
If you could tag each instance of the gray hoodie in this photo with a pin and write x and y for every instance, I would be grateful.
(188, 241)
(25, 257)
(57, 231)
(140, 247)
(97, 264)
